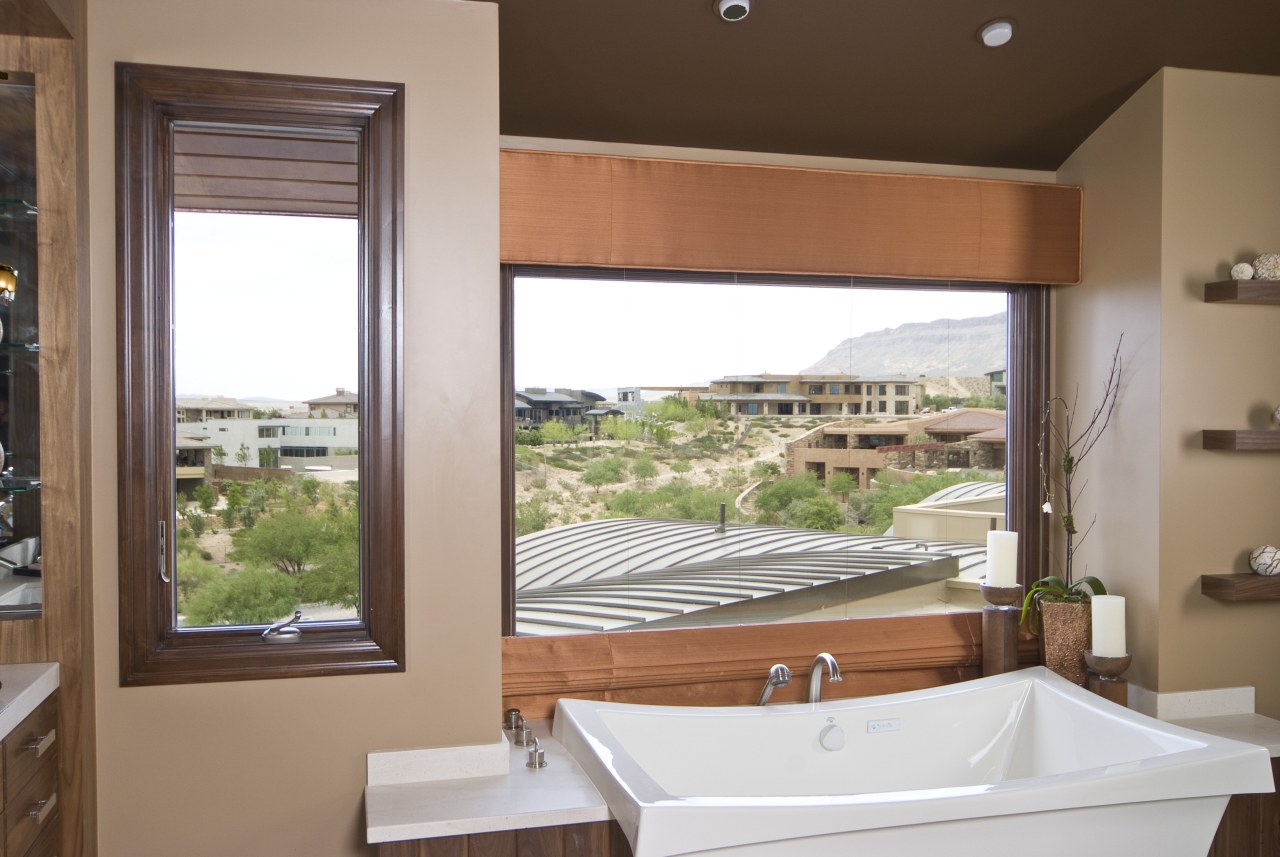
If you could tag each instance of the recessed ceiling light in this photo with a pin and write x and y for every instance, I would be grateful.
(733, 10)
(996, 33)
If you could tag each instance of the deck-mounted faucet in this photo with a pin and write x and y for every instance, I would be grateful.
(779, 676)
(815, 675)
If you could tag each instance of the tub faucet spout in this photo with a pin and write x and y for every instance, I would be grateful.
(779, 676)
(815, 675)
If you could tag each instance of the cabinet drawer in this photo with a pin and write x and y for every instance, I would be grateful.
(33, 810)
(29, 745)
(48, 843)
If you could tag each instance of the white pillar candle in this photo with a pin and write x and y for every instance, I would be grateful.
(1108, 626)
(1002, 558)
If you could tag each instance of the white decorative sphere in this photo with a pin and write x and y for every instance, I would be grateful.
(1265, 560)
(1242, 271)
(1267, 266)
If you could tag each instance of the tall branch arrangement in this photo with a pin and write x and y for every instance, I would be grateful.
(1064, 445)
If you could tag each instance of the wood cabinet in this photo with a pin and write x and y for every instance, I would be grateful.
(1250, 826)
(593, 839)
(30, 784)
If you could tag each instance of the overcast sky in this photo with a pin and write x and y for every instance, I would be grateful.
(596, 335)
(265, 305)
(266, 308)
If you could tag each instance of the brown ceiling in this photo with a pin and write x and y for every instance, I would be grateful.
(901, 80)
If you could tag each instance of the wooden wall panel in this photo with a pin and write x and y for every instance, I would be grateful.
(570, 209)
(63, 633)
(727, 666)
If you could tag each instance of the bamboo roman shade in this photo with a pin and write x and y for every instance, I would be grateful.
(225, 168)
(593, 210)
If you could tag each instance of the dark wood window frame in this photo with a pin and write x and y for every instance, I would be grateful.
(149, 101)
(1028, 372)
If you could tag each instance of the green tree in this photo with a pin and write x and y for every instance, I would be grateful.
(195, 520)
(532, 516)
(219, 455)
(814, 513)
(287, 540)
(254, 596)
(622, 429)
(841, 483)
(334, 576)
(242, 455)
(310, 488)
(644, 469)
(234, 494)
(554, 431)
(680, 466)
(604, 471)
(773, 499)
(206, 497)
(937, 401)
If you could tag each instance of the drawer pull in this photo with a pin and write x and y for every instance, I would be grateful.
(39, 745)
(40, 809)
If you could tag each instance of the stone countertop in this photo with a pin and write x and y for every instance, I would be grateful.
(22, 688)
(558, 794)
(1249, 728)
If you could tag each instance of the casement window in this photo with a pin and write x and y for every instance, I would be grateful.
(211, 165)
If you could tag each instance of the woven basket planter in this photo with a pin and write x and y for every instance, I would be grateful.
(1065, 638)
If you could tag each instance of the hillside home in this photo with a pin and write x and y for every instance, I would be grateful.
(811, 146)
(815, 395)
(966, 438)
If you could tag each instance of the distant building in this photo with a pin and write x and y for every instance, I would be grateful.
(816, 395)
(343, 403)
(997, 381)
(538, 405)
(194, 409)
(966, 438)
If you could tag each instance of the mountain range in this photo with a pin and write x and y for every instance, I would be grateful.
(945, 347)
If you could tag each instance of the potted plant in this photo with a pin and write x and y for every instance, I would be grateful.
(1057, 606)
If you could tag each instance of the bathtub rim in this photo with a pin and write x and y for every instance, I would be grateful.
(640, 803)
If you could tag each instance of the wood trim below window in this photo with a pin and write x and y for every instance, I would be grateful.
(728, 666)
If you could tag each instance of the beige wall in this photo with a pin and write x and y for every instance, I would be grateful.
(1179, 184)
(277, 767)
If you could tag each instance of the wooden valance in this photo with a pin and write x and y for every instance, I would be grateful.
(595, 210)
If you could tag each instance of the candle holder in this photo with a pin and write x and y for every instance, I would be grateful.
(1104, 676)
(1000, 628)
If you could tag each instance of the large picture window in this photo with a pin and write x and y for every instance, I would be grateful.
(259, 270)
(654, 483)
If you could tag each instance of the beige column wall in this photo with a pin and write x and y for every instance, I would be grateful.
(1119, 167)
(1221, 370)
(1179, 183)
(278, 767)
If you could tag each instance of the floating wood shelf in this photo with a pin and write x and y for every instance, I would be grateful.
(1243, 292)
(1240, 587)
(1242, 440)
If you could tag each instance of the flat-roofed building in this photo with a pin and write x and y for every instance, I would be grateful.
(817, 395)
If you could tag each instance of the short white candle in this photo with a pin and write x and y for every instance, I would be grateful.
(1108, 626)
(1002, 558)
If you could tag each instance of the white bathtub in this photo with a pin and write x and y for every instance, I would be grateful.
(1024, 763)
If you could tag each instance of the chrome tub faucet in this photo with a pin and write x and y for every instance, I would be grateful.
(815, 675)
